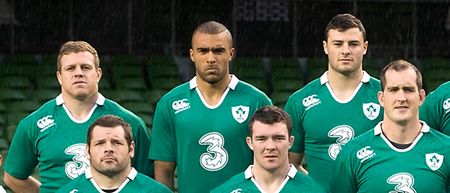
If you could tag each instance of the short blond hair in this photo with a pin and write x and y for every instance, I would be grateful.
(75, 47)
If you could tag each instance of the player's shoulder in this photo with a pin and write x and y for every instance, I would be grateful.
(311, 88)
(250, 90)
(439, 137)
(306, 184)
(148, 183)
(112, 107)
(374, 83)
(179, 91)
(234, 182)
(74, 185)
(441, 91)
(360, 142)
(46, 110)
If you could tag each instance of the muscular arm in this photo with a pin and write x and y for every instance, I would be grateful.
(164, 173)
(29, 185)
(296, 159)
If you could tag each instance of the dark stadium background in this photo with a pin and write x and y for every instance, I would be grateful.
(143, 45)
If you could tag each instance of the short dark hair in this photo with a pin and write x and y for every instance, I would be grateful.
(270, 115)
(111, 121)
(400, 65)
(75, 47)
(211, 27)
(343, 22)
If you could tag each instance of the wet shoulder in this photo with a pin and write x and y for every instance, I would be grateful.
(374, 84)
(230, 184)
(306, 184)
(311, 88)
(47, 109)
(148, 183)
(439, 138)
(118, 110)
(74, 184)
(440, 91)
(359, 142)
(250, 90)
(182, 89)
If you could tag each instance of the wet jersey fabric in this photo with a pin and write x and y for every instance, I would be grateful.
(206, 142)
(245, 182)
(53, 140)
(435, 110)
(323, 124)
(135, 183)
(370, 163)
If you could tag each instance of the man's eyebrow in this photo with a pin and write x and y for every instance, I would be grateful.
(203, 49)
(218, 49)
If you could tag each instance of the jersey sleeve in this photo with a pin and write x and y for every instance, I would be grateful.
(141, 151)
(22, 154)
(429, 112)
(343, 177)
(163, 134)
(297, 129)
(266, 101)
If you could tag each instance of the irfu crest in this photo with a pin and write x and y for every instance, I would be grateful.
(240, 113)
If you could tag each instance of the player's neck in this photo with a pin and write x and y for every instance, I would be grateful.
(79, 108)
(344, 85)
(401, 133)
(270, 181)
(108, 182)
(212, 93)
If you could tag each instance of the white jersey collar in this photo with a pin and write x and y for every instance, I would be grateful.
(324, 78)
(291, 173)
(379, 131)
(131, 176)
(232, 85)
(100, 100)
(324, 81)
(249, 176)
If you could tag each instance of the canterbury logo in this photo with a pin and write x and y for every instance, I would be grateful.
(45, 123)
(446, 105)
(365, 153)
(180, 105)
(310, 101)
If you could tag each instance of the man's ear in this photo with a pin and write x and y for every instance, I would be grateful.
(249, 142)
(325, 47)
(380, 96)
(191, 54)
(86, 151)
(422, 95)
(132, 149)
(291, 141)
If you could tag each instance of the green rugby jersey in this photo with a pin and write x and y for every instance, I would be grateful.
(245, 182)
(54, 141)
(370, 163)
(435, 110)
(323, 124)
(135, 183)
(206, 142)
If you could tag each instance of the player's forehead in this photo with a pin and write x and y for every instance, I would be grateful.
(78, 58)
(275, 129)
(351, 34)
(205, 40)
(100, 132)
(404, 78)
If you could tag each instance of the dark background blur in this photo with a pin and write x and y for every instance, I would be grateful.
(273, 28)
